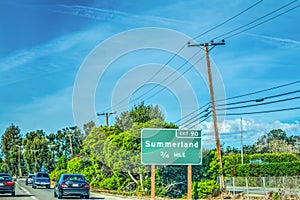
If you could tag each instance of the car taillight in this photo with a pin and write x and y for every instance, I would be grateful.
(63, 185)
(9, 183)
(86, 185)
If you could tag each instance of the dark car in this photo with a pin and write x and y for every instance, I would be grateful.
(29, 179)
(72, 185)
(7, 184)
(41, 179)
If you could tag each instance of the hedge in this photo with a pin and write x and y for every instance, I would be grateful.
(269, 169)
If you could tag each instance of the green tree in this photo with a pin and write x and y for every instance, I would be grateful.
(10, 141)
(94, 141)
(139, 113)
(172, 181)
(123, 151)
(117, 149)
(88, 127)
(276, 141)
(37, 152)
(68, 141)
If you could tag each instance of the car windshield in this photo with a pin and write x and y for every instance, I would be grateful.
(73, 177)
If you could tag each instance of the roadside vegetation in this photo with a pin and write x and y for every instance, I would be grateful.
(109, 157)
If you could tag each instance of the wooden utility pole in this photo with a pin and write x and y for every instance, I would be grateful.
(19, 160)
(35, 160)
(212, 100)
(190, 180)
(152, 181)
(71, 144)
(106, 115)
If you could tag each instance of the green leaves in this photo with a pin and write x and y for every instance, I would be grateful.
(10, 141)
(205, 188)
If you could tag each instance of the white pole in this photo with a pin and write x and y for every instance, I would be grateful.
(242, 153)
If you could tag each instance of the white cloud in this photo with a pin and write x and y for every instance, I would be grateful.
(250, 125)
(108, 15)
(230, 130)
(25, 56)
(282, 42)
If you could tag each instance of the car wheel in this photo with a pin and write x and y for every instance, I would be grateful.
(55, 195)
(48, 186)
(59, 195)
(87, 196)
(13, 193)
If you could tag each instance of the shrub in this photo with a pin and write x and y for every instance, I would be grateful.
(206, 188)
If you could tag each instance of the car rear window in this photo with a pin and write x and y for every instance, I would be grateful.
(44, 175)
(5, 178)
(74, 177)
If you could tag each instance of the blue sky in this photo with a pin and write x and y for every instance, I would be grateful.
(44, 45)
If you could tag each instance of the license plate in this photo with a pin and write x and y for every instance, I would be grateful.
(75, 185)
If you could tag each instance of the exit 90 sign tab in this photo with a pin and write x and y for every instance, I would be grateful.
(171, 147)
(188, 133)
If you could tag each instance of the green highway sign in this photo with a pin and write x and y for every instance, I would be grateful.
(171, 147)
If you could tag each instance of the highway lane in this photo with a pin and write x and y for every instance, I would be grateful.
(42, 193)
(48, 194)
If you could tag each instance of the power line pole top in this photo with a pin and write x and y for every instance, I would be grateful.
(206, 44)
(106, 115)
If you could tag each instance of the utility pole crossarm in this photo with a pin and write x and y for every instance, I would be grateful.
(211, 43)
(106, 115)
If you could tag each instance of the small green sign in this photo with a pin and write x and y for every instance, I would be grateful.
(171, 147)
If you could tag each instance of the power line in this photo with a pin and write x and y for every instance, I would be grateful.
(231, 18)
(258, 19)
(247, 113)
(248, 29)
(177, 53)
(260, 91)
(239, 96)
(260, 104)
(262, 112)
(259, 99)
(247, 106)
(262, 22)
(244, 95)
(180, 75)
(193, 113)
(192, 122)
(178, 78)
(168, 77)
(154, 75)
(213, 28)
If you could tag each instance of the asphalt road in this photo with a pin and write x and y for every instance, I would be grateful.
(20, 195)
(26, 192)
